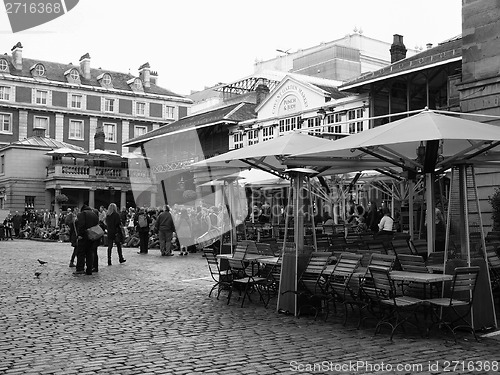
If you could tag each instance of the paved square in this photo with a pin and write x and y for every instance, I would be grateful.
(152, 315)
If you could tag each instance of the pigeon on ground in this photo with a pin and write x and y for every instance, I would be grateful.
(37, 274)
(42, 262)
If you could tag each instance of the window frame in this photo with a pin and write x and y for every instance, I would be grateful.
(4, 66)
(6, 92)
(40, 99)
(137, 112)
(75, 137)
(167, 112)
(2, 164)
(72, 101)
(106, 79)
(109, 105)
(39, 70)
(2, 116)
(47, 128)
(74, 74)
(137, 127)
(105, 125)
(238, 140)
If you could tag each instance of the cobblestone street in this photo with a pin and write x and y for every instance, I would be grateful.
(152, 315)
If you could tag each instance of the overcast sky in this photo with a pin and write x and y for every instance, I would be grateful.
(198, 43)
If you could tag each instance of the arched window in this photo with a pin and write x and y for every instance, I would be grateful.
(4, 65)
(39, 70)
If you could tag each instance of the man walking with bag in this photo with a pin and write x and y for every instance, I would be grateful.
(87, 248)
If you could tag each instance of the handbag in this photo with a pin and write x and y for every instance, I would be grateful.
(95, 233)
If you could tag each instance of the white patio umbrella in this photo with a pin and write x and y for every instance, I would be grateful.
(428, 142)
(266, 155)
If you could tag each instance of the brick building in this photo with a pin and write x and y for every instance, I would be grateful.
(70, 104)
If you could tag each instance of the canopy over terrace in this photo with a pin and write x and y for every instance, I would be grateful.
(428, 142)
(266, 155)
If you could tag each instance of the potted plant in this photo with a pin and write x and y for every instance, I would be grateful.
(61, 198)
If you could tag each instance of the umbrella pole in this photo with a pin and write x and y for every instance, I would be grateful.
(429, 199)
(410, 208)
(312, 216)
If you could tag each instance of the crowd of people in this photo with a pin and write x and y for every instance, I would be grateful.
(374, 219)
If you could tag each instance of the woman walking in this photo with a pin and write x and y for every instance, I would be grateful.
(113, 224)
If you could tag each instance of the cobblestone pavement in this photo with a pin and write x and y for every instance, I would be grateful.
(152, 315)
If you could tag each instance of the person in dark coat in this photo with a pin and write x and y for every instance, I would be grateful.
(87, 248)
(17, 222)
(165, 227)
(372, 217)
(142, 222)
(70, 221)
(113, 225)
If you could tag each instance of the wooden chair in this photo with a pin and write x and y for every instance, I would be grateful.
(240, 250)
(342, 287)
(459, 302)
(394, 310)
(401, 246)
(312, 283)
(412, 263)
(222, 279)
(245, 279)
(418, 247)
(264, 249)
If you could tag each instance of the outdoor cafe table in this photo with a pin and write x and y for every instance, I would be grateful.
(426, 278)
(268, 259)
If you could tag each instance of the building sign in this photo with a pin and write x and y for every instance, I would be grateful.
(289, 99)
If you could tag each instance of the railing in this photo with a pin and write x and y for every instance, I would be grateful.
(108, 172)
(75, 169)
(86, 171)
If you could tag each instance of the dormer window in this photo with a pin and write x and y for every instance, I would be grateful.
(38, 70)
(105, 80)
(72, 75)
(4, 65)
(135, 84)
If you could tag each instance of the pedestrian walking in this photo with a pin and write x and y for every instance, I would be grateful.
(142, 221)
(114, 228)
(165, 228)
(87, 249)
(70, 221)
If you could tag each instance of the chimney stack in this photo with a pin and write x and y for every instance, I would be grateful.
(99, 138)
(145, 75)
(154, 77)
(17, 56)
(85, 66)
(398, 49)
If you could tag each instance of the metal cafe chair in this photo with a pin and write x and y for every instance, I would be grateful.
(222, 278)
(246, 279)
(459, 303)
(394, 310)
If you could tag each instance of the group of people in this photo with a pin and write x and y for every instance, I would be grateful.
(376, 220)
(177, 228)
(32, 224)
